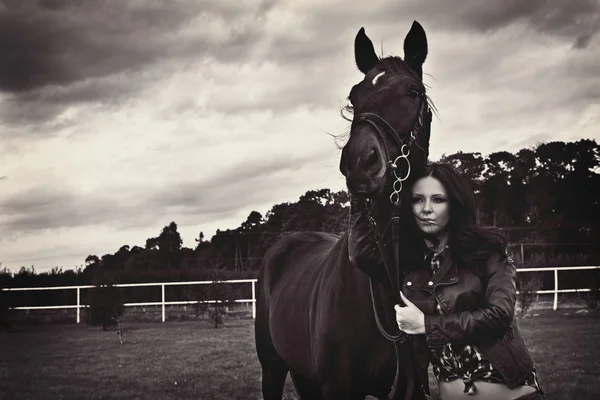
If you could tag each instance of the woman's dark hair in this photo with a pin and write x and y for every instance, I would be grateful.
(471, 245)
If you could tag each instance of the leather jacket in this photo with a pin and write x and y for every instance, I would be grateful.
(460, 305)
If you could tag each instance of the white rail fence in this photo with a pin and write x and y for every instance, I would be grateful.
(163, 303)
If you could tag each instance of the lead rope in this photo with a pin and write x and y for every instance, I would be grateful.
(400, 337)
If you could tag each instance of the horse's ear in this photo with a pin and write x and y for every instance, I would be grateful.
(364, 53)
(415, 47)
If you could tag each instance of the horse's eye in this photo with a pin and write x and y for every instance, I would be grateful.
(414, 94)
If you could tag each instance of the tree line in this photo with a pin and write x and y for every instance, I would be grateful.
(545, 194)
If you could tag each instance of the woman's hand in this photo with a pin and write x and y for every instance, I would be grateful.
(410, 319)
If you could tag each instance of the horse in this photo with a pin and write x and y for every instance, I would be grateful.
(316, 315)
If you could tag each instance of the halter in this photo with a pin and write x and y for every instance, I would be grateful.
(382, 127)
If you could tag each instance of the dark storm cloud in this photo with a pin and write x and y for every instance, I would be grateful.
(35, 107)
(78, 40)
(62, 42)
(576, 21)
(56, 53)
(328, 32)
(582, 42)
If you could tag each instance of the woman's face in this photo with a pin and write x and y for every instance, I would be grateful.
(430, 205)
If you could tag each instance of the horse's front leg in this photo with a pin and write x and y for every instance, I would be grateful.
(340, 389)
(344, 380)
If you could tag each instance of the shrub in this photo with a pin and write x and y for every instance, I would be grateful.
(527, 284)
(214, 298)
(105, 306)
(593, 300)
(4, 310)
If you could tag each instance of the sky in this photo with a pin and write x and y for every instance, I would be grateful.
(118, 117)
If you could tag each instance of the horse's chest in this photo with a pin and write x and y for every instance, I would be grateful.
(319, 326)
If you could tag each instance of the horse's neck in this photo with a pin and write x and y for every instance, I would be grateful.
(382, 214)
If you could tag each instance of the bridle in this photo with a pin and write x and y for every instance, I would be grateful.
(382, 127)
(420, 130)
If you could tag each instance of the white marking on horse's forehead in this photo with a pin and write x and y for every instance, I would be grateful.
(379, 75)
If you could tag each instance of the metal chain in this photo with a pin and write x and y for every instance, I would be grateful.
(397, 185)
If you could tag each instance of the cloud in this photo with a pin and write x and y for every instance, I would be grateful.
(573, 24)
(329, 23)
(65, 42)
(248, 182)
(504, 85)
(59, 43)
(61, 53)
(270, 87)
(46, 208)
(40, 110)
(582, 42)
(80, 40)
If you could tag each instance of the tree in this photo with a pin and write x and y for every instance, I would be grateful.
(121, 256)
(152, 244)
(470, 165)
(321, 196)
(169, 242)
(169, 239)
(253, 221)
(91, 260)
(337, 213)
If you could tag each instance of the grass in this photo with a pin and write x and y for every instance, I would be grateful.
(192, 360)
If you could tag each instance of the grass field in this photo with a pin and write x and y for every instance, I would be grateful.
(192, 360)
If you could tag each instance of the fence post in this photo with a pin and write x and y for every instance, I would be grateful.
(522, 255)
(555, 289)
(78, 303)
(163, 302)
(254, 299)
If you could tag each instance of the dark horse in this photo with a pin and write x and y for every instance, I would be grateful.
(316, 315)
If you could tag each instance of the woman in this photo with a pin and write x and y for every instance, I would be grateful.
(459, 291)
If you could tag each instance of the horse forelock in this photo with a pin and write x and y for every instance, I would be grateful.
(395, 69)
(396, 66)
